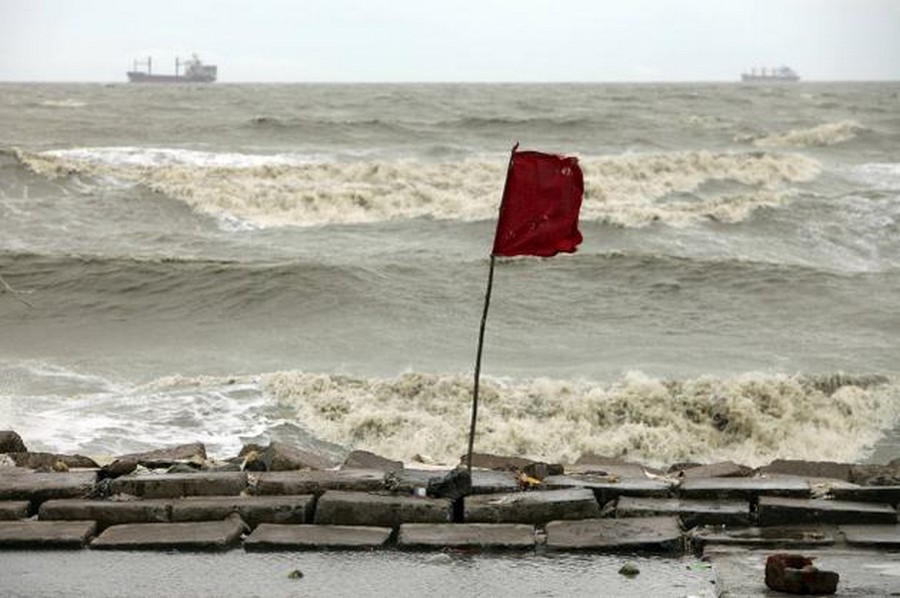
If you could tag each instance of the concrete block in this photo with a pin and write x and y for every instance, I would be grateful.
(368, 460)
(773, 510)
(106, 512)
(176, 485)
(319, 482)
(195, 536)
(38, 487)
(872, 536)
(781, 536)
(691, 512)
(269, 536)
(484, 481)
(808, 469)
(886, 495)
(607, 488)
(531, 507)
(29, 534)
(254, 510)
(653, 534)
(337, 507)
(723, 469)
(744, 488)
(485, 536)
(14, 509)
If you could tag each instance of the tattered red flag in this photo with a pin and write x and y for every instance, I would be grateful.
(540, 205)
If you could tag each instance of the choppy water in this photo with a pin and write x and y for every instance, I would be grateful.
(234, 263)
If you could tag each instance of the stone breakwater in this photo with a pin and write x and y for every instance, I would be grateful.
(280, 498)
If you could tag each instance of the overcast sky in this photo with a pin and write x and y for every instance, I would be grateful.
(452, 40)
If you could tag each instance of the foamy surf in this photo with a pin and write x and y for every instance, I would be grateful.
(818, 136)
(750, 419)
(246, 191)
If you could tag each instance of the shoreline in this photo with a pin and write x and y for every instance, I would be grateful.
(721, 518)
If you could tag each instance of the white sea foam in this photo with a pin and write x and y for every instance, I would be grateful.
(751, 419)
(826, 134)
(269, 191)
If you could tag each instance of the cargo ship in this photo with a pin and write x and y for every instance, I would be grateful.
(194, 72)
(781, 74)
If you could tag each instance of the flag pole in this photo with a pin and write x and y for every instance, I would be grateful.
(484, 313)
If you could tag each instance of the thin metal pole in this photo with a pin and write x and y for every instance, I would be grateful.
(487, 304)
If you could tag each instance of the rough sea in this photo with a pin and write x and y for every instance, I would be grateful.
(307, 263)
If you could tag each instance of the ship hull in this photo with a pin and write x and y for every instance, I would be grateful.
(765, 79)
(138, 77)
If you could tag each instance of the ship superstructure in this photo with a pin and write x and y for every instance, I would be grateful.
(194, 72)
(774, 75)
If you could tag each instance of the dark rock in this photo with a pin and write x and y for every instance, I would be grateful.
(367, 460)
(629, 570)
(117, 468)
(253, 461)
(808, 469)
(795, 574)
(725, 469)
(876, 475)
(194, 452)
(183, 468)
(280, 456)
(11, 442)
(454, 485)
(488, 461)
(295, 574)
(51, 461)
(319, 482)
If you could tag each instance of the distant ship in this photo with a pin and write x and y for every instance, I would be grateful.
(773, 75)
(194, 72)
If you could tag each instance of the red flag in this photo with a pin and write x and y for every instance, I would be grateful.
(540, 205)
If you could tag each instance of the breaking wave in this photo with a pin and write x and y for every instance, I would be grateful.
(750, 419)
(822, 135)
(629, 190)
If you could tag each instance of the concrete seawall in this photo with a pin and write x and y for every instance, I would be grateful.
(722, 512)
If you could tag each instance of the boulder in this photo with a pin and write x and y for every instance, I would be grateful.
(10, 442)
(367, 460)
(808, 469)
(454, 485)
(488, 461)
(795, 574)
(280, 456)
(724, 469)
(52, 461)
(876, 475)
(194, 452)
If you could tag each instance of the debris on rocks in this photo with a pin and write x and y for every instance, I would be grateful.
(796, 574)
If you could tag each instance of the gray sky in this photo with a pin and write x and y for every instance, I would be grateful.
(452, 40)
